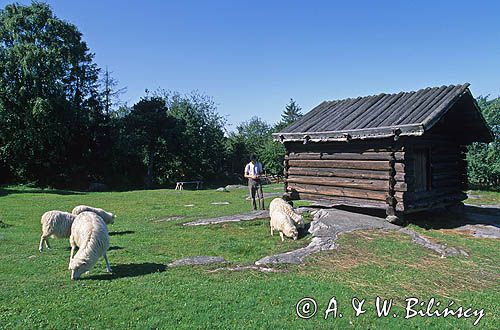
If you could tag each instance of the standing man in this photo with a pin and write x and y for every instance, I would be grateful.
(253, 171)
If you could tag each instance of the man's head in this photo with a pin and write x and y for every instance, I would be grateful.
(253, 159)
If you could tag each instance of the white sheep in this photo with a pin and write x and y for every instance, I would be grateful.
(282, 223)
(56, 224)
(108, 217)
(279, 205)
(90, 234)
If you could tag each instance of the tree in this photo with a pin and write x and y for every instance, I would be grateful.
(483, 160)
(272, 156)
(202, 152)
(48, 96)
(151, 135)
(110, 92)
(290, 115)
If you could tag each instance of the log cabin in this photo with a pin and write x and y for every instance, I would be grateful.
(401, 152)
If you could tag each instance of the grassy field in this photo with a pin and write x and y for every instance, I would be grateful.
(36, 290)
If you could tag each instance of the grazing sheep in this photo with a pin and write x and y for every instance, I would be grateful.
(56, 224)
(279, 205)
(282, 223)
(108, 217)
(90, 234)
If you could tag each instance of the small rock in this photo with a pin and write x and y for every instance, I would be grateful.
(220, 203)
(189, 205)
(169, 219)
(235, 186)
(197, 260)
(222, 189)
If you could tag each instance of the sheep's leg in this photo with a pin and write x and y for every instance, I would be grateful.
(108, 268)
(281, 235)
(71, 255)
(272, 231)
(46, 240)
(40, 247)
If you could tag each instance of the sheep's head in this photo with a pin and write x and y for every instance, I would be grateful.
(108, 217)
(291, 231)
(77, 268)
(112, 221)
(299, 220)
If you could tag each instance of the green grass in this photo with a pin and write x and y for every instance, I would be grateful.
(484, 197)
(36, 290)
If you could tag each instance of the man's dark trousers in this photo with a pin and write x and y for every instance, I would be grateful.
(255, 188)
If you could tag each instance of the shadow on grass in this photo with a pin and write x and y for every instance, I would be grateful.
(470, 215)
(305, 231)
(10, 191)
(111, 248)
(120, 233)
(129, 270)
(440, 218)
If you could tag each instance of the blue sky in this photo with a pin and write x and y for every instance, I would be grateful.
(253, 56)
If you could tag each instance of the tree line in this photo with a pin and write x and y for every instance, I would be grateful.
(62, 123)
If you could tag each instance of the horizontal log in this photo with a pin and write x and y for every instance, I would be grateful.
(369, 155)
(450, 166)
(334, 172)
(454, 182)
(341, 192)
(423, 195)
(380, 185)
(349, 164)
(438, 201)
(445, 175)
(354, 202)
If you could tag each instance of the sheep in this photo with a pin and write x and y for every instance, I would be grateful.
(279, 205)
(282, 222)
(90, 234)
(108, 217)
(56, 224)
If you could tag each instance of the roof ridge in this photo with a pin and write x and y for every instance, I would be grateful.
(395, 93)
(368, 117)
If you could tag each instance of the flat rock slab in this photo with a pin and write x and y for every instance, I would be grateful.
(198, 260)
(230, 218)
(443, 250)
(220, 203)
(242, 268)
(325, 227)
(329, 223)
(167, 219)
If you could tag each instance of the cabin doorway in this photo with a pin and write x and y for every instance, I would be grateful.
(422, 166)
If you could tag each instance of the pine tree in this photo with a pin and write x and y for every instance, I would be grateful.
(290, 115)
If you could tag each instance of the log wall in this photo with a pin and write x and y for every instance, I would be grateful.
(447, 175)
(380, 174)
(355, 174)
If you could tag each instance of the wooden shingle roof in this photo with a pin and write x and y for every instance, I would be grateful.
(382, 115)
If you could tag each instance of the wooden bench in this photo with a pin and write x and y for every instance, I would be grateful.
(180, 184)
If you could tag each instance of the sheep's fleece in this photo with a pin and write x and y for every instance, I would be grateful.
(56, 224)
(282, 222)
(108, 217)
(279, 205)
(90, 234)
